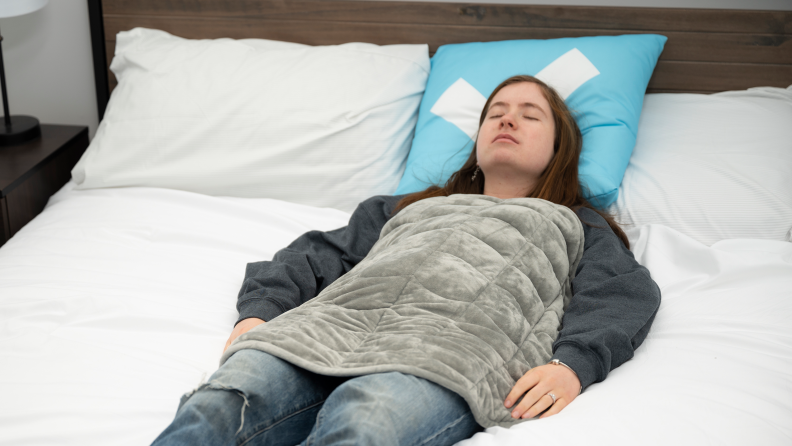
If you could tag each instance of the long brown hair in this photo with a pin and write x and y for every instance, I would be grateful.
(558, 183)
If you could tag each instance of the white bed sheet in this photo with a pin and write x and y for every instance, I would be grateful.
(114, 302)
(716, 368)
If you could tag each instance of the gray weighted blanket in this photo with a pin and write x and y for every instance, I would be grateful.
(466, 291)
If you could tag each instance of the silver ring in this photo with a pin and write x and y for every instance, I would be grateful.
(550, 394)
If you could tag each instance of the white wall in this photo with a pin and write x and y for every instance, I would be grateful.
(49, 67)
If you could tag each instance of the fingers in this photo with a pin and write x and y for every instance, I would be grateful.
(234, 334)
(241, 328)
(555, 408)
(534, 387)
(529, 380)
(533, 403)
(229, 341)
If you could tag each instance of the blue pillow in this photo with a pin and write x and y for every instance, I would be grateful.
(603, 80)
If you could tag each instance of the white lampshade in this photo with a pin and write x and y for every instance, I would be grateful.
(13, 8)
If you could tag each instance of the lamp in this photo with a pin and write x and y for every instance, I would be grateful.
(17, 129)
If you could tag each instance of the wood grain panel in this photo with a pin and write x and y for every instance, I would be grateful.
(687, 76)
(109, 53)
(688, 46)
(636, 19)
(690, 77)
(708, 50)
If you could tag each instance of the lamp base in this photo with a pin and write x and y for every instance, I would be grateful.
(22, 129)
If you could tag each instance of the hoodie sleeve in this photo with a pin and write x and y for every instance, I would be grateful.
(313, 261)
(613, 305)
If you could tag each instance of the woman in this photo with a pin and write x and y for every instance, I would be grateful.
(528, 145)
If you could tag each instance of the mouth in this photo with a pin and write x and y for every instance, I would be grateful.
(503, 137)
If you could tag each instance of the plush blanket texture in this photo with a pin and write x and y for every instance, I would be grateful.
(466, 291)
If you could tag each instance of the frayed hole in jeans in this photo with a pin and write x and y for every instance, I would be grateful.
(211, 385)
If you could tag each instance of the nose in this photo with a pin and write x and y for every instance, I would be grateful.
(507, 121)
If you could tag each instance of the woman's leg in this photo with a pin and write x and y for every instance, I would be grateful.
(254, 398)
(392, 408)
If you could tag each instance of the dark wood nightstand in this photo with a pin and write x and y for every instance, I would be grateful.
(31, 172)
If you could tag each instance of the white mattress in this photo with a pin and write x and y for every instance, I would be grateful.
(114, 302)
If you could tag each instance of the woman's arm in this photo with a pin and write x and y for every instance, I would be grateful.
(308, 265)
(613, 305)
(313, 261)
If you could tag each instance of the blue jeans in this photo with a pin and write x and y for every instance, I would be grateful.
(258, 399)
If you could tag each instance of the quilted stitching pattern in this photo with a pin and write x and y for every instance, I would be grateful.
(467, 291)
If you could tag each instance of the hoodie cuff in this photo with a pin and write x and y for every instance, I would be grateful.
(582, 362)
(261, 308)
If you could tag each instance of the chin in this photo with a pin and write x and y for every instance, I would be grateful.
(501, 158)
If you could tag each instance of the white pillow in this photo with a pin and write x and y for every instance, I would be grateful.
(326, 126)
(713, 167)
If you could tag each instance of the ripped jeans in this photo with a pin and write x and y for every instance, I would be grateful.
(258, 399)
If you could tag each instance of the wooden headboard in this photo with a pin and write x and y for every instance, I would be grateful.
(708, 50)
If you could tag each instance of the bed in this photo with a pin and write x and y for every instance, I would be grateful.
(119, 297)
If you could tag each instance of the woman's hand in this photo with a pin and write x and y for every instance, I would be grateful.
(241, 328)
(538, 382)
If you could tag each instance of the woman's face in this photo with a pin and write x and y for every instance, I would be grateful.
(515, 142)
